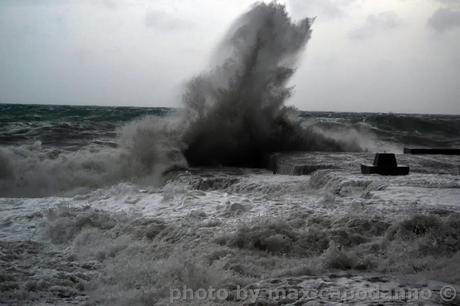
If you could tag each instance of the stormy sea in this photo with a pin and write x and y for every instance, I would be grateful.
(233, 198)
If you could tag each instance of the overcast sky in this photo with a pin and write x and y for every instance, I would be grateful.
(364, 55)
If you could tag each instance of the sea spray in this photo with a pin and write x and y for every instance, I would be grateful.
(236, 113)
(145, 149)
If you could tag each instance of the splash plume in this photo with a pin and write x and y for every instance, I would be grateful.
(236, 112)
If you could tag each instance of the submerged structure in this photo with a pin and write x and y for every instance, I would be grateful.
(385, 164)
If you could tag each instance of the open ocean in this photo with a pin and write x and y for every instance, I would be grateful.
(75, 126)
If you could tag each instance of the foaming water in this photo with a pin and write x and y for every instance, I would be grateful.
(144, 150)
(229, 228)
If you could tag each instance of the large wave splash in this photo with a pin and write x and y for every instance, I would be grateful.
(236, 113)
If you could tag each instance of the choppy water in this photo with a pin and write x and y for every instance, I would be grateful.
(75, 126)
(82, 219)
(334, 230)
(422, 130)
(50, 149)
(66, 126)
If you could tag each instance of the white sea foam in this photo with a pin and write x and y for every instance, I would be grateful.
(221, 228)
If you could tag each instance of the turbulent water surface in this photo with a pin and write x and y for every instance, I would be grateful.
(72, 127)
(78, 228)
(134, 206)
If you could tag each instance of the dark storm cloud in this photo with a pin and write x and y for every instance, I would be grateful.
(375, 24)
(445, 19)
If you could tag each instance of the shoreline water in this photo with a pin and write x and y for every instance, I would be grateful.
(229, 228)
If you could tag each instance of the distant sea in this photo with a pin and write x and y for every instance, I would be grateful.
(76, 126)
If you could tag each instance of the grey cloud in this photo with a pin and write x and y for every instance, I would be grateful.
(376, 23)
(321, 8)
(163, 21)
(445, 19)
(449, 2)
